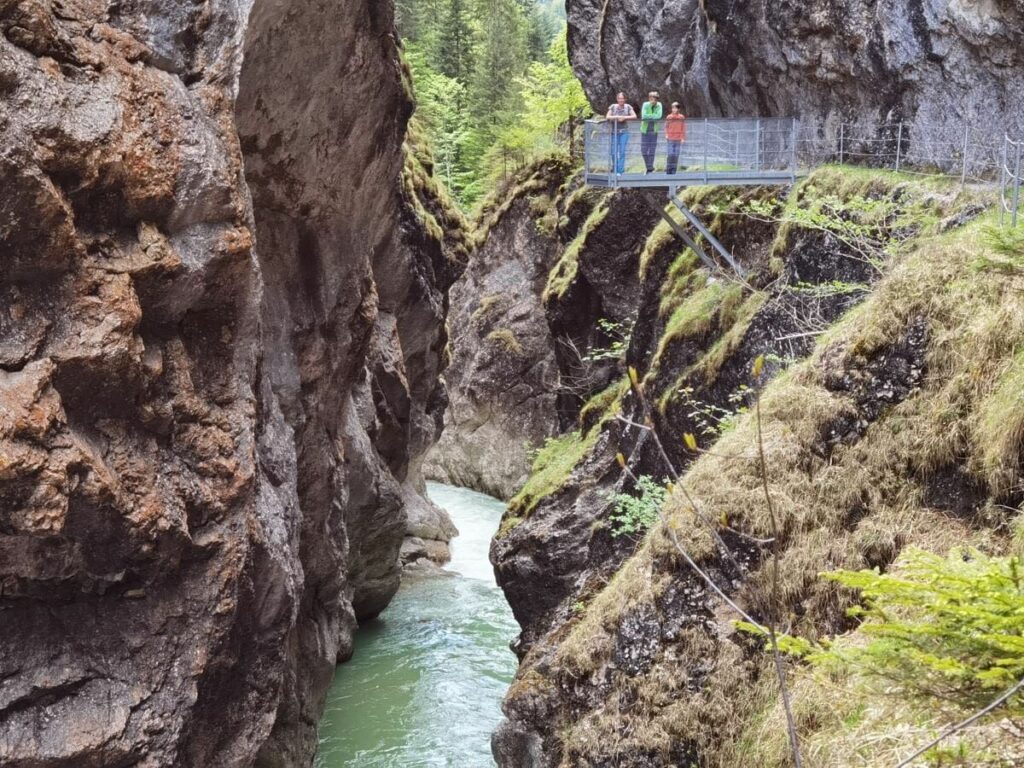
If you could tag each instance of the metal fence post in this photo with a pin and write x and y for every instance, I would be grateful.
(1016, 186)
(1002, 180)
(792, 152)
(706, 140)
(757, 142)
(899, 146)
(967, 133)
(842, 141)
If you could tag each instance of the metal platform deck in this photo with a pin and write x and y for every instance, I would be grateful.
(654, 155)
(662, 180)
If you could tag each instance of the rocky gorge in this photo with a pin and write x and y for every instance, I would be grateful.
(626, 657)
(242, 322)
(218, 370)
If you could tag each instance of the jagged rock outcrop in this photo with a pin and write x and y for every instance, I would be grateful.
(218, 371)
(626, 656)
(503, 381)
(932, 63)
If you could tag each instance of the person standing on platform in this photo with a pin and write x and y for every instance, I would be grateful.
(675, 135)
(650, 114)
(619, 115)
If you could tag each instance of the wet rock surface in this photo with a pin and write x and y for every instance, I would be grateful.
(934, 64)
(218, 371)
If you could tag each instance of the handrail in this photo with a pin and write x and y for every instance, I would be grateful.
(747, 150)
(723, 150)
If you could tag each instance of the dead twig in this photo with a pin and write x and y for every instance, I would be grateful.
(998, 702)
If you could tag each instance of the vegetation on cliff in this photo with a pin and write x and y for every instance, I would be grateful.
(900, 428)
(493, 86)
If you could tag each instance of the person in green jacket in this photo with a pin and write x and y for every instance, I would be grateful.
(649, 117)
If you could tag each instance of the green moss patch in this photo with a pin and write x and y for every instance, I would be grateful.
(551, 469)
(564, 272)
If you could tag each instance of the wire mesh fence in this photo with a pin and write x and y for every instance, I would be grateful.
(752, 150)
(690, 147)
(967, 153)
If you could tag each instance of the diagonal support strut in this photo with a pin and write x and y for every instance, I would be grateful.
(699, 226)
(682, 233)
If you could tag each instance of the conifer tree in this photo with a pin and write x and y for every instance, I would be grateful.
(455, 43)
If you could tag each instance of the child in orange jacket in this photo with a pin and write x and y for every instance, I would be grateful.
(675, 135)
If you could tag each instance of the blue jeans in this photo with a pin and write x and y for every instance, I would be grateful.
(673, 156)
(619, 144)
(648, 148)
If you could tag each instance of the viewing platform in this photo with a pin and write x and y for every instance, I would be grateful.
(689, 153)
(742, 152)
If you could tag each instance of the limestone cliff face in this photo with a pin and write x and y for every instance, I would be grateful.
(504, 380)
(218, 371)
(932, 63)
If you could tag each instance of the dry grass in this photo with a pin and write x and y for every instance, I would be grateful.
(591, 637)
(852, 722)
(843, 506)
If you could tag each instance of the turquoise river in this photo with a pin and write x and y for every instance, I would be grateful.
(424, 688)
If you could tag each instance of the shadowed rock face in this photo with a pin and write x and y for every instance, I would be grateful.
(206, 447)
(930, 62)
(503, 380)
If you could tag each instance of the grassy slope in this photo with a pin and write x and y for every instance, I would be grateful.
(848, 505)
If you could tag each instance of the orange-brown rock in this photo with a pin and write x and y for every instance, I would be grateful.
(196, 497)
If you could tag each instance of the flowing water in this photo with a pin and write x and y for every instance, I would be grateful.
(424, 688)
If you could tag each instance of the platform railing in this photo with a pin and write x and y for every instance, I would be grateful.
(1011, 179)
(748, 150)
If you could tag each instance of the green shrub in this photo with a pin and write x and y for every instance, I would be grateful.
(635, 514)
(939, 631)
(618, 335)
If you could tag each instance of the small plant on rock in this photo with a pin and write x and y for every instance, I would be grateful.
(634, 514)
(713, 420)
(619, 334)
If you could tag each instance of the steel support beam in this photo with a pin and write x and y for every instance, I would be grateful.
(699, 226)
(682, 233)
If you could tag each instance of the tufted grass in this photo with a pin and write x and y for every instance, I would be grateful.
(841, 506)
(505, 338)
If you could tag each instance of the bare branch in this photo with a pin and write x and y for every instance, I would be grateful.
(794, 742)
(1002, 699)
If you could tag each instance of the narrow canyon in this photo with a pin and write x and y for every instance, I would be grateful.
(243, 321)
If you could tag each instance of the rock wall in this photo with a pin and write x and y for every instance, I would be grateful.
(931, 62)
(626, 658)
(218, 369)
(503, 380)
